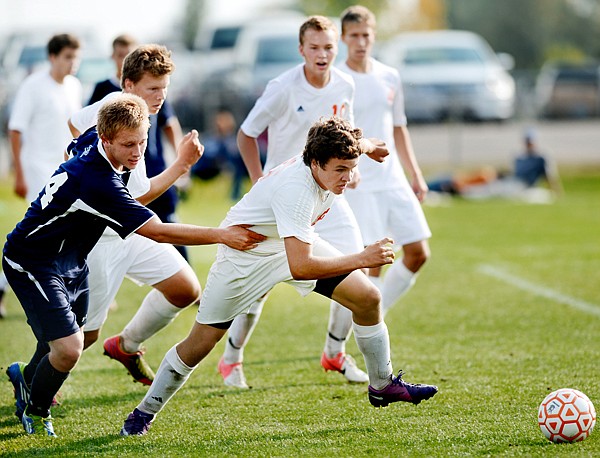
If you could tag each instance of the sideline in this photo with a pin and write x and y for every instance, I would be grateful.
(540, 290)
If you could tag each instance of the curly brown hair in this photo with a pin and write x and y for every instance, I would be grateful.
(153, 59)
(329, 138)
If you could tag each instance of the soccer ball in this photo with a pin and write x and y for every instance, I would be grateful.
(566, 415)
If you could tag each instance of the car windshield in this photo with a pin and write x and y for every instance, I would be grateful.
(442, 55)
(278, 51)
(32, 55)
(225, 37)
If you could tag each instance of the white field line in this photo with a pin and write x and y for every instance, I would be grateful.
(540, 290)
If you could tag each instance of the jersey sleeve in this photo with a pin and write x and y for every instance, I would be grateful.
(113, 202)
(399, 112)
(266, 109)
(88, 116)
(23, 107)
(293, 208)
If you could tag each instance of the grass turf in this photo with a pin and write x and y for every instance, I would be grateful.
(494, 348)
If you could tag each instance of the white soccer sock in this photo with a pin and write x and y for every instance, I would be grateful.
(240, 331)
(396, 282)
(374, 343)
(171, 376)
(154, 314)
(340, 326)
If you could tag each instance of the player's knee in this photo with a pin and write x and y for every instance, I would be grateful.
(369, 298)
(186, 295)
(65, 359)
(415, 260)
(372, 297)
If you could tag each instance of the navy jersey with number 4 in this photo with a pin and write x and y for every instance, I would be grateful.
(84, 196)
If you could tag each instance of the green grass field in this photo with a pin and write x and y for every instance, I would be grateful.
(507, 310)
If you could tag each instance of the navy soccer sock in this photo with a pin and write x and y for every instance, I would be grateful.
(44, 386)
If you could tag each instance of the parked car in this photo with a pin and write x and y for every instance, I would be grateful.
(451, 74)
(262, 49)
(568, 90)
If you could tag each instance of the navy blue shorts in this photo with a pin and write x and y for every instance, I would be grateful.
(55, 306)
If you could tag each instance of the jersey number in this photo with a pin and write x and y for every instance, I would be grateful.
(51, 187)
(342, 109)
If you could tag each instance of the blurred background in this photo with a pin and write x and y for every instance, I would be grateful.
(469, 95)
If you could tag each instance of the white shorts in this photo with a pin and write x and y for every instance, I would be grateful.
(144, 261)
(340, 228)
(394, 213)
(237, 279)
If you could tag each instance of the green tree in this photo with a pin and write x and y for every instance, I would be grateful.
(531, 30)
(335, 7)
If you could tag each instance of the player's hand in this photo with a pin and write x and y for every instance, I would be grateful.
(240, 238)
(20, 187)
(379, 253)
(190, 150)
(375, 149)
(420, 188)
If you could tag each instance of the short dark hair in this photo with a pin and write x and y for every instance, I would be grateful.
(152, 58)
(357, 14)
(329, 138)
(124, 40)
(61, 41)
(124, 111)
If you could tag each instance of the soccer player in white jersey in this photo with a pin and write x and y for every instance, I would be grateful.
(289, 105)
(146, 73)
(37, 127)
(385, 203)
(284, 205)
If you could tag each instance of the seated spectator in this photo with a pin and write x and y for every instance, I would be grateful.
(530, 169)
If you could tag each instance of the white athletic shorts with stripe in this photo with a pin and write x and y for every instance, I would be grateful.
(144, 261)
(237, 279)
(393, 213)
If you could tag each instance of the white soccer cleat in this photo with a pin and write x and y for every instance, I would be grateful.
(345, 365)
(233, 374)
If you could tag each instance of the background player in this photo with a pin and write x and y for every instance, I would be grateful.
(384, 202)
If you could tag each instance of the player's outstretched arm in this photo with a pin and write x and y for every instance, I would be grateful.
(189, 151)
(305, 266)
(237, 237)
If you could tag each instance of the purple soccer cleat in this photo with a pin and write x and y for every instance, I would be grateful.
(400, 391)
(137, 423)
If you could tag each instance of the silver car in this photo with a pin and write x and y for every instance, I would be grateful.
(451, 74)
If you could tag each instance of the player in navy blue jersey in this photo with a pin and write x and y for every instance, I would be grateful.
(44, 257)
(164, 122)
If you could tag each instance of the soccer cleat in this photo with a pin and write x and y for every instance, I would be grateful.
(15, 375)
(400, 391)
(34, 424)
(133, 362)
(137, 424)
(344, 364)
(233, 374)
